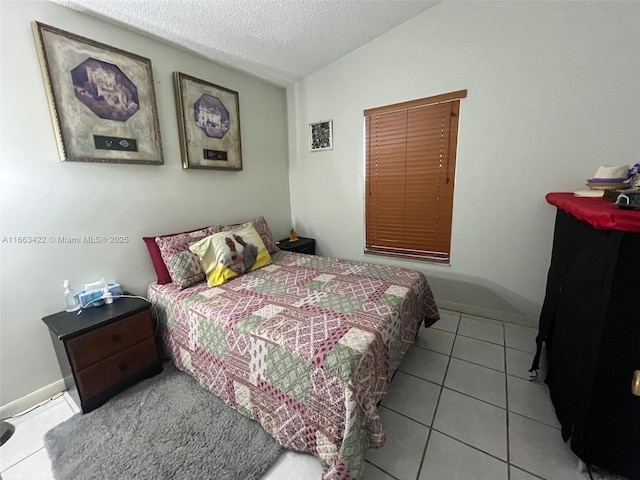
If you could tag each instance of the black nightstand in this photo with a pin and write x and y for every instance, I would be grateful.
(105, 349)
(302, 245)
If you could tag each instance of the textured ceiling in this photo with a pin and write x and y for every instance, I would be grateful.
(280, 41)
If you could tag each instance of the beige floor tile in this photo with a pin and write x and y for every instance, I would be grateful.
(476, 351)
(28, 437)
(539, 449)
(447, 458)
(481, 329)
(472, 422)
(435, 340)
(402, 453)
(425, 364)
(531, 399)
(477, 381)
(448, 321)
(413, 397)
(520, 338)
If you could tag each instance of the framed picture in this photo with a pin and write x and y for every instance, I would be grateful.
(321, 136)
(102, 99)
(209, 124)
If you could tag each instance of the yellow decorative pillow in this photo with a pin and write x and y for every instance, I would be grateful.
(226, 255)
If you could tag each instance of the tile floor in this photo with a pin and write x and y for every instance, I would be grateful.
(460, 407)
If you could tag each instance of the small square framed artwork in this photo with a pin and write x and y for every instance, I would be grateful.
(321, 136)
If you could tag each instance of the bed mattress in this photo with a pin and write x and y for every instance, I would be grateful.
(306, 346)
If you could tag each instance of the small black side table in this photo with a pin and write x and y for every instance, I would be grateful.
(302, 245)
(105, 349)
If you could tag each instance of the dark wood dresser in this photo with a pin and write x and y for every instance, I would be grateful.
(105, 349)
(590, 323)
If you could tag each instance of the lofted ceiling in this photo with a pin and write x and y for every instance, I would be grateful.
(280, 41)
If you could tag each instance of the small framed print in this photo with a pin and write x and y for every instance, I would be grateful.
(321, 136)
(209, 124)
(102, 99)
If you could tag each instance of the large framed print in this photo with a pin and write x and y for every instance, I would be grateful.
(102, 99)
(209, 124)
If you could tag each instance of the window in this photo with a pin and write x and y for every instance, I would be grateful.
(410, 151)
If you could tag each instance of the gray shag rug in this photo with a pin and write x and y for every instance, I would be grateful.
(166, 427)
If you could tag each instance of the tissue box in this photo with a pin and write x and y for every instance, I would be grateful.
(92, 298)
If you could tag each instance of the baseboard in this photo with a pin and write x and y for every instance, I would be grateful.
(32, 399)
(488, 313)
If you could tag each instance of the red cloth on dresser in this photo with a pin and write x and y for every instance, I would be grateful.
(598, 212)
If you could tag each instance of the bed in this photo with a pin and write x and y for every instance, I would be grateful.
(306, 346)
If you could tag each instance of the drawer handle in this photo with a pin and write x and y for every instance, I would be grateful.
(123, 367)
(116, 337)
(635, 383)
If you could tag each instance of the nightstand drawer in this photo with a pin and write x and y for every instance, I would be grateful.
(99, 344)
(309, 249)
(98, 377)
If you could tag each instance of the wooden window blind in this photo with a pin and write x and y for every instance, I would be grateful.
(410, 151)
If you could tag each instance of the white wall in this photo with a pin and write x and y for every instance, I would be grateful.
(43, 196)
(552, 95)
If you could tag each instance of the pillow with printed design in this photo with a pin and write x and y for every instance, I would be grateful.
(231, 253)
(183, 266)
(156, 257)
(262, 227)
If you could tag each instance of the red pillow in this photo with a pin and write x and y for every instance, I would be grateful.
(156, 257)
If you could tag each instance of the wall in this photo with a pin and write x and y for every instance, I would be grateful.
(552, 95)
(43, 196)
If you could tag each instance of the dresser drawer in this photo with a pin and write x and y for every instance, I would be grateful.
(104, 342)
(107, 373)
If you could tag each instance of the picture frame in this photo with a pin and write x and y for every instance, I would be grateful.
(208, 123)
(321, 136)
(101, 98)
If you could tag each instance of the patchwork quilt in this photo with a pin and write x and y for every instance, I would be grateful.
(306, 346)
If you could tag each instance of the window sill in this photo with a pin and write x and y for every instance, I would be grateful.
(404, 256)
